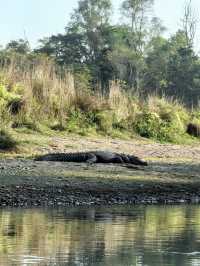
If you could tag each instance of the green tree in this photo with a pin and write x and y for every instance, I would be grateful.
(189, 23)
(91, 19)
(86, 44)
(184, 76)
(132, 40)
(173, 69)
(66, 49)
(155, 72)
(18, 46)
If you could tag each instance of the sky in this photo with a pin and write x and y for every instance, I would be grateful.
(36, 19)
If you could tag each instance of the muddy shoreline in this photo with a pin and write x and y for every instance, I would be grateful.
(26, 183)
(172, 176)
(31, 196)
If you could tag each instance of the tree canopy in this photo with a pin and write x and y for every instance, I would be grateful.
(132, 51)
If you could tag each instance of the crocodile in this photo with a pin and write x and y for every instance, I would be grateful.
(92, 157)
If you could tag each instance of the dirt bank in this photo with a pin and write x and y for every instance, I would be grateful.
(172, 176)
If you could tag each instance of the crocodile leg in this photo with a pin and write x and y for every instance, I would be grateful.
(125, 158)
(118, 159)
(91, 158)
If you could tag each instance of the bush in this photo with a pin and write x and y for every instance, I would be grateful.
(150, 125)
(57, 126)
(6, 140)
(15, 106)
(104, 121)
(37, 93)
(79, 121)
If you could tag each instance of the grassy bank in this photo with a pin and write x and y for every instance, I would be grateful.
(44, 110)
(36, 98)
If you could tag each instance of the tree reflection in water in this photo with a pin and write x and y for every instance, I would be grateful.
(137, 235)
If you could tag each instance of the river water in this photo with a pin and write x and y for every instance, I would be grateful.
(128, 235)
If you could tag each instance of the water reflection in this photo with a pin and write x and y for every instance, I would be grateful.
(137, 235)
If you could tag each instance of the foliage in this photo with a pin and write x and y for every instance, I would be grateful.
(52, 100)
(104, 121)
(132, 51)
(150, 125)
(98, 76)
(6, 140)
(18, 46)
(162, 120)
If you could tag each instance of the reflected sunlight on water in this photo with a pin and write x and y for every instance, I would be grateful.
(128, 235)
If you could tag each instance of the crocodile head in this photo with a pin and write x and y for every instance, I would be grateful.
(135, 160)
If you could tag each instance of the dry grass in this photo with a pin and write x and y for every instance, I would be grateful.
(125, 106)
(44, 91)
(49, 96)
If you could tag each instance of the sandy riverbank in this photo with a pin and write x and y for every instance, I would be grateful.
(172, 175)
(29, 183)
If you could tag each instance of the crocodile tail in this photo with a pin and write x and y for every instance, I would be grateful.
(46, 157)
(63, 157)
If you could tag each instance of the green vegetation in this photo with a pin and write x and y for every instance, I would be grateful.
(40, 100)
(100, 78)
(6, 141)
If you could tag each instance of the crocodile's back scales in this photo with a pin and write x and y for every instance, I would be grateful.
(92, 157)
(64, 157)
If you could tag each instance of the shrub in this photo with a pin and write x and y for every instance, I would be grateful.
(15, 105)
(78, 121)
(6, 140)
(104, 121)
(150, 125)
(37, 93)
(57, 126)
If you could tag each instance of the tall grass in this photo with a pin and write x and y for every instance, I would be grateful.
(36, 92)
(45, 92)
